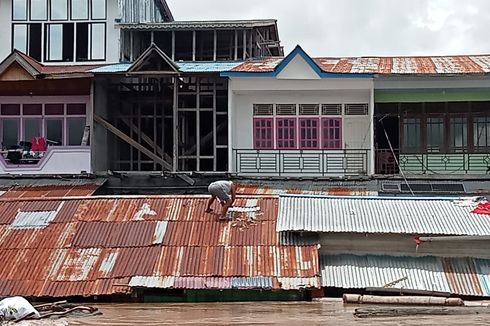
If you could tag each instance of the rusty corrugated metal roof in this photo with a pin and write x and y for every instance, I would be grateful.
(106, 245)
(461, 64)
(461, 276)
(47, 191)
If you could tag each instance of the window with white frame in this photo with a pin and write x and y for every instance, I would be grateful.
(60, 30)
(303, 126)
(58, 124)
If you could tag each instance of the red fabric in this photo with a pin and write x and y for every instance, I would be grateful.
(38, 144)
(483, 208)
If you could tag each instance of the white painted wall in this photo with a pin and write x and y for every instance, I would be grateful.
(398, 245)
(293, 89)
(298, 68)
(5, 28)
(55, 162)
(355, 130)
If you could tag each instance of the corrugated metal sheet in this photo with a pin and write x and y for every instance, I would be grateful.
(379, 215)
(331, 188)
(462, 276)
(184, 66)
(45, 191)
(201, 24)
(141, 12)
(385, 65)
(32, 220)
(97, 246)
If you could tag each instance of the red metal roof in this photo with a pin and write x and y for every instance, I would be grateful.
(463, 64)
(47, 191)
(97, 245)
(55, 69)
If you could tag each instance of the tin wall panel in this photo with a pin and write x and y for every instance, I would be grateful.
(135, 261)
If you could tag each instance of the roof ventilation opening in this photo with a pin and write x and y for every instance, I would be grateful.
(356, 109)
(286, 109)
(263, 109)
(332, 109)
(309, 109)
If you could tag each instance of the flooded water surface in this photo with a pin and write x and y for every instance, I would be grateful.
(255, 313)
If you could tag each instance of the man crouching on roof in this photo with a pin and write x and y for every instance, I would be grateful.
(225, 191)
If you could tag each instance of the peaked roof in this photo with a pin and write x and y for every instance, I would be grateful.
(273, 66)
(146, 57)
(404, 65)
(39, 70)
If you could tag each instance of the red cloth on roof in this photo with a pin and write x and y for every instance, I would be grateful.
(38, 144)
(482, 208)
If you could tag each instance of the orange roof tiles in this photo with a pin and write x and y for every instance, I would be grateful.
(97, 245)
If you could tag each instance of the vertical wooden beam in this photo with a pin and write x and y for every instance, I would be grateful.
(244, 44)
(152, 39)
(131, 52)
(215, 45)
(230, 127)
(173, 45)
(175, 126)
(250, 44)
(236, 45)
(198, 125)
(215, 151)
(193, 45)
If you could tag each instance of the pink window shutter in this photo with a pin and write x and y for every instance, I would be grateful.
(263, 136)
(309, 133)
(332, 133)
(286, 133)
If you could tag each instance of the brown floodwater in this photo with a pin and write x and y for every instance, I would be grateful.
(250, 313)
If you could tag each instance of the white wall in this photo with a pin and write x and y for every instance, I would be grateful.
(293, 87)
(5, 28)
(113, 33)
(54, 162)
(356, 129)
(399, 245)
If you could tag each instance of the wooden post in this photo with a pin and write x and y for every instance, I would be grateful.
(173, 45)
(175, 125)
(215, 45)
(193, 45)
(236, 45)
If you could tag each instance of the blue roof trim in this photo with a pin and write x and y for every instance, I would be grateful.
(298, 50)
(368, 197)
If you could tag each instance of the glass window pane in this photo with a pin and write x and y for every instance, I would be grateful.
(10, 109)
(20, 38)
(79, 9)
(76, 127)
(59, 9)
(54, 109)
(55, 42)
(98, 9)
(32, 109)
(76, 109)
(97, 44)
(39, 9)
(20, 10)
(10, 133)
(54, 132)
(32, 128)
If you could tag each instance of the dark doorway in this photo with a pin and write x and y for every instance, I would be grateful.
(387, 144)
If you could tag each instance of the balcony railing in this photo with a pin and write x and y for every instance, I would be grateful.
(433, 163)
(301, 162)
